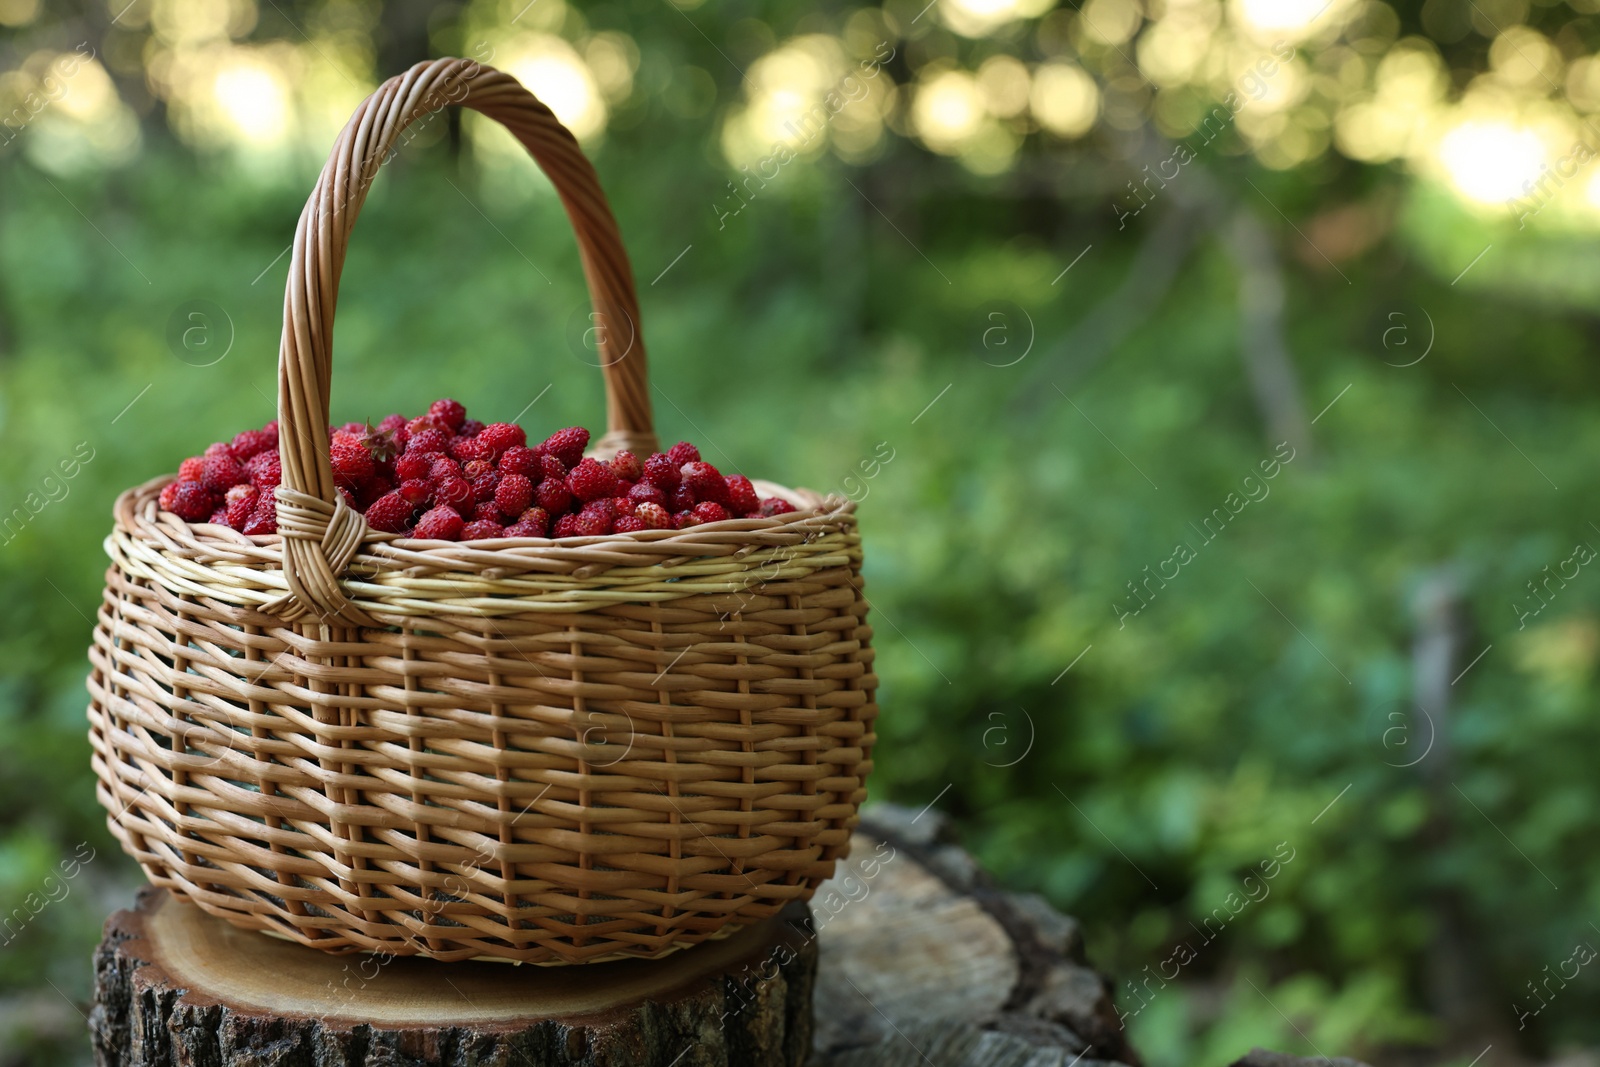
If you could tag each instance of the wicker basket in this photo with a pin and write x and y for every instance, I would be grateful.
(544, 751)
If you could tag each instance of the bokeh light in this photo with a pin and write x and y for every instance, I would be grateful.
(1489, 161)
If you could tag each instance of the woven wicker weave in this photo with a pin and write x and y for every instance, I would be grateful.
(545, 751)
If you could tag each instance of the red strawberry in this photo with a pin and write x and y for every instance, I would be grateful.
(645, 493)
(514, 494)
(536, 517)
(454, 492)
(390, 423)
(351, 460)
(371, 489)
(707, 482)
(412, 465)
(191, 469)
(427, 440)
(742, 495)
(605, 508)
(499, 436)
(683, 520)
(169, 495)
(241, 504)
(660, 471)
(681, 499)
(222, 472)
(627, 465)
(567, 445)
(591, 480)
(485, 511)
(470, 448)
(439, 524)
(621, 505)
(219, 517)
(654, 516)
(415, 490)
(484, 485)
(264, 520)
(683, 452)
(390, 513)
(775, 505)
(566, 526)
(471, 428)
(628, 524)
(253, 442)
(524, 529)
(553, 495)
(710, 511)
(520, 459)
(443, 467)
(591, 524)
(551, 467)
(193, 502)
(428, 422)
(265, 469)
(481, 530)
(449, 412)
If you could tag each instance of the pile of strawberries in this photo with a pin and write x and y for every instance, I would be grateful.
(443, 476)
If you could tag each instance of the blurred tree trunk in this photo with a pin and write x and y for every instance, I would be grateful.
(403, 37)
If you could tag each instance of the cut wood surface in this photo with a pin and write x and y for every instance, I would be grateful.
(176, 987)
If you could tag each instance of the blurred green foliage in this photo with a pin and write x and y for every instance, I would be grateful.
(1249, 705)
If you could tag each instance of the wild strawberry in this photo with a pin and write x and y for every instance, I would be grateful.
(551, 467)
(484, 511)
(499, 436)
(217, 448)
(466, 449)
(455, 493)
(169, 495)
(412, 465)
(681, 499)
(349, 498)
(449, 412)
(264, 520)
(621, 505)
(567, 445)
(439, 524)
(484, 485)
(628, 524)
(566, 526)
(265, 469)
(514, 494)
(683, 520)
(683, 452)
(536, 517)
(390, 513)
(707, 482)
(191, 469)
(471, 428)
(553, 495)
(390, 423)
(415, 490)
(219, 517)
(427, 441)
(443, 467)
(742, 495)
(660, 471)
(605, 508)
(524, 529)
(353, 429)
(222, 472)
(371, 489)
(591, 524)
(193, 502)
(776, 505)
(627, 465)
(591, 480)
(252, 442)
(482, 530)
(710, 511)
(654, 516)
(241, 504)
(520, 459)
(645, 493)
(351, 460)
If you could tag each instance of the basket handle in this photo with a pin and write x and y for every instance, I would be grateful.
(320, 532)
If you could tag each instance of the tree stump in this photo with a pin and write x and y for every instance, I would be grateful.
(925, 963)
(175, 987)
